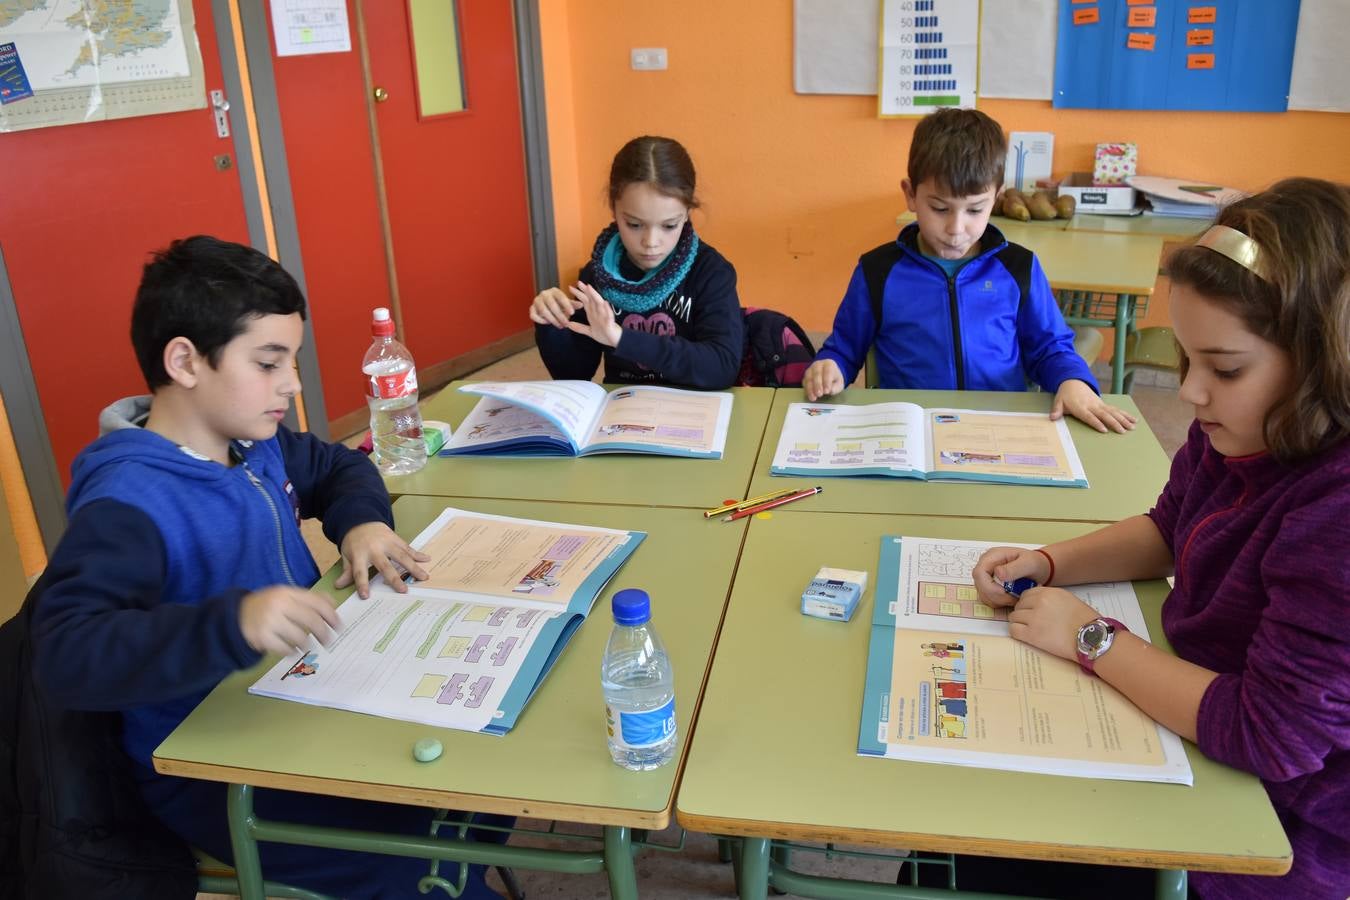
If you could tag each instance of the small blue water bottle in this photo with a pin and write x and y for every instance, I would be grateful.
(639, 687)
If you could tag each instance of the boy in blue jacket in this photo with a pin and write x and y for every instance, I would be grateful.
(960, 308)
(184, 562)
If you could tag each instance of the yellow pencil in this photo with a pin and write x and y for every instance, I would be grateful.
(742, 504)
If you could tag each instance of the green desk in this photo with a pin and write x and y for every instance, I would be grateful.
(1126, 471)
(1101, 281)
(626, 479)
(775, 755)
(554, 764)
(1169, 228)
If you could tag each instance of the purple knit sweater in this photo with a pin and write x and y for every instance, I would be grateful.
(1262, 597)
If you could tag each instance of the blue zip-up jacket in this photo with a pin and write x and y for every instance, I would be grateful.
(141, 607)
(973, 332)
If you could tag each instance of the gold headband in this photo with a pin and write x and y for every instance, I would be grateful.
(1237, 246)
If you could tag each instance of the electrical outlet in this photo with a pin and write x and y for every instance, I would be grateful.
(648, 58)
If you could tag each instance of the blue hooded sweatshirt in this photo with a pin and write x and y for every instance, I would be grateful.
(139, 607)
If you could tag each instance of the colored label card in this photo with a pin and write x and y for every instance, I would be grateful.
(1200, 60)
(1203, 15)
(1138, 40)
(1200, 37)
(1086, 16)
(1143, 17)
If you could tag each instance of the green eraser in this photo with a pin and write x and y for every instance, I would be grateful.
(426, 750)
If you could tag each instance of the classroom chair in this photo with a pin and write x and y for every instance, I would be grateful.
(1153, 348)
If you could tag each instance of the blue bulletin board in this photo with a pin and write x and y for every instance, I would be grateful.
(1232, 55)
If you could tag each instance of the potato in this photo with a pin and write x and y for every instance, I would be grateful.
(1064, 206)
(1015, 206)
(1041, 206)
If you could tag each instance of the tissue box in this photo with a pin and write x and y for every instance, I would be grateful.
(1102, 199)
(1114, 163)
(435, 434)
(833, 594)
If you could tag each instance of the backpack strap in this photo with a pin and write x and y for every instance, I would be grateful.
(876, 265)
(1017, 260)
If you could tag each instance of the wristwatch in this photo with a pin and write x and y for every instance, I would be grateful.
(1094, 639)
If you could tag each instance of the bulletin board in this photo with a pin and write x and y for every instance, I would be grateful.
(1229, 55)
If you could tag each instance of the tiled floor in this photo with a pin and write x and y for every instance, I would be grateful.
(696, 872)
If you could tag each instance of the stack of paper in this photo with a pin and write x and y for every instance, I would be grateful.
(1187, 199)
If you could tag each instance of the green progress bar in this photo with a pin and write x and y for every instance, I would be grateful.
(942, 100)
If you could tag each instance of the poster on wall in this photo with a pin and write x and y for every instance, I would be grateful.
(86, 62)
(1229, 55)
(928, 55)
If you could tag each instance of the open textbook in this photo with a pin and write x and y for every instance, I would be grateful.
(576, 418)
(946, 684)
(907, 441)
(468, 647)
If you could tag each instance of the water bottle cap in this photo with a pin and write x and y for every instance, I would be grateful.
(631, 606)
(381, 325)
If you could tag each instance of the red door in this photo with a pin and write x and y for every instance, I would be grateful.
(458, 211)
(82, 207)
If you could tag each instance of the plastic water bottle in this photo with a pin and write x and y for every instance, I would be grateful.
(391, 389)
(639, 687)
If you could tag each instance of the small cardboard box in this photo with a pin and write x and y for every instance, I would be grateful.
(1114, 163)
(833, 594)
(1101, 199)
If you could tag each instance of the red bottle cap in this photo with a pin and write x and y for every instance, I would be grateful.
(381, 325)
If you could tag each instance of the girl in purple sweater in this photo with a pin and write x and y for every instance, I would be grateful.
(1254, 523)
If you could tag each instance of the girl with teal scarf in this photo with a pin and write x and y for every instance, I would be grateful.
(655, 302)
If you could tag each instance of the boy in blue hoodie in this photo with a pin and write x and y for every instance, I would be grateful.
(184, 562)
(960, 308)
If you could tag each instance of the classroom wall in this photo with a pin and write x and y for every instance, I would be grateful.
(796, 186)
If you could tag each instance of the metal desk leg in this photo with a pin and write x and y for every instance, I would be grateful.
(1170, 884)
(619, 863)
(1124, 321)
(247, 868)
(754, 868)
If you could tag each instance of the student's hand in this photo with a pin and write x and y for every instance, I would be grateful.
(600, 324)
(375, 544)
(1080, 401)
(553, 307)
(822, 379)
(999, 564)
(1049, 618)
(280, 619)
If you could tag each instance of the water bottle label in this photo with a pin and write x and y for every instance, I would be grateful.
(390, 387)
(638, 730)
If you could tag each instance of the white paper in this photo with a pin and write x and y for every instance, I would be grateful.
(1321, 76)
(835, 46)
(1017, 49)
(302, 27)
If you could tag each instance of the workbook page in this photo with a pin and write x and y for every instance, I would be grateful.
(665, 420)
(1002, 446)
(842, 439)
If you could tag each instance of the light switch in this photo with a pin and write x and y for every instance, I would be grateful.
(648, 58)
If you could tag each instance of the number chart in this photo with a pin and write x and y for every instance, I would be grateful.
(929, 55)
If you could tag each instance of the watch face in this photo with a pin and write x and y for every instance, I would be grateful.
(1092, 636)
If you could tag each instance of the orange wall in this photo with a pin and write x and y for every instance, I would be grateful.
(796, 186)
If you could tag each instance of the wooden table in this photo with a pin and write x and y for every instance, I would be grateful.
(630, 478)
(554, 764)
(775, 753)
(1126, 472)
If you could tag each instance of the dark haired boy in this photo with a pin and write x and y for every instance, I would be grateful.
(184, 562)
(961, 308)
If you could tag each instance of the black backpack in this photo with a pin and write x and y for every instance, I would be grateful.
(72, 822)
(777, 350)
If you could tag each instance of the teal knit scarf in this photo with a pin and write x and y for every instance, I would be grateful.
(654, 286)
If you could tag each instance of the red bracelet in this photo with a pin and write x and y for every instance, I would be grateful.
(1051, 560)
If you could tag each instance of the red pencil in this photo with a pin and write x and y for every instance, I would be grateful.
(742, 513)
